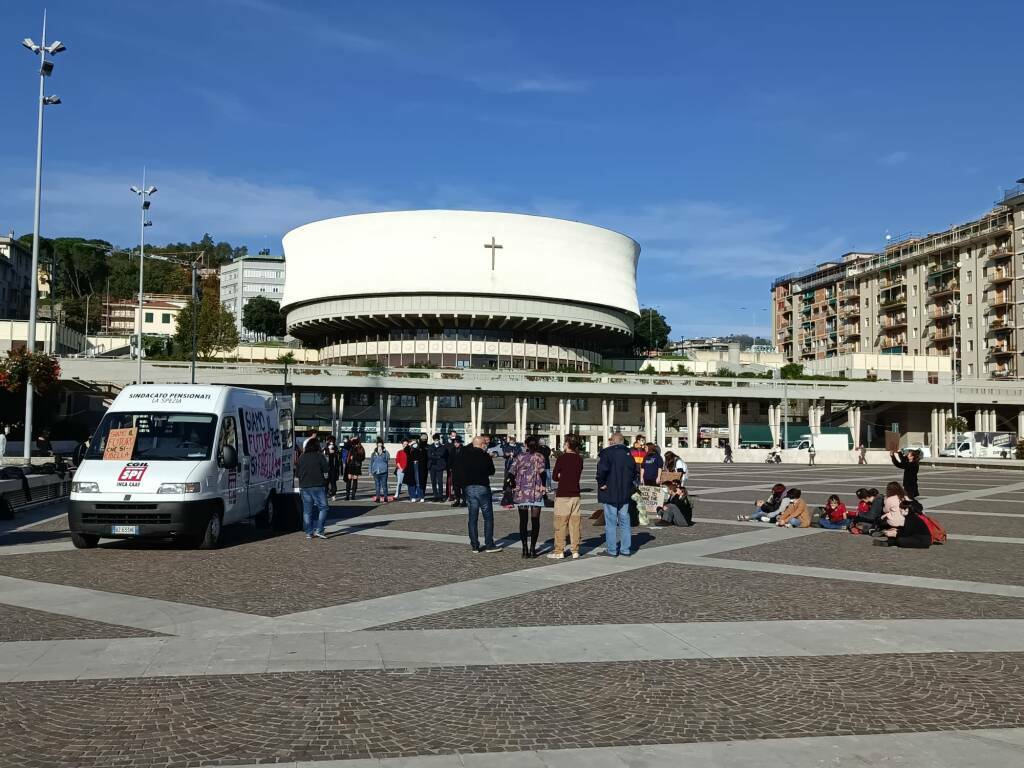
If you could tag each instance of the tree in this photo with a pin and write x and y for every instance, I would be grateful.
(956, 424)
(792, 371)
(216, 330)
(263, 317)
(651, 331)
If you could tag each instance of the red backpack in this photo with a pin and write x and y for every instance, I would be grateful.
(937, 531)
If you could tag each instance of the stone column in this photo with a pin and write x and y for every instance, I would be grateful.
(730, 417)
(611, 420)
(660, 425)
(772, 428)
(522, 416)
(604, 419)
(691, 425)
(737, 423)
(1020, 425)
(561, 421)
(387, 413)
(933, 434)
(979, 421)
(994, 421)
(519, 435)
(334, 413)
(568, 419)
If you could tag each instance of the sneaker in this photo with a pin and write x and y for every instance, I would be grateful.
(492, 548)
(766, 519)
(556, 556)
(478, 550)
(309, 535)
(575, 555)
(320, 535)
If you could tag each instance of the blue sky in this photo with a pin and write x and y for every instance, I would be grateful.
(734, 141)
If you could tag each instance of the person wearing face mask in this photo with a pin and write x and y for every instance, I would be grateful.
(416, 470)
(401, 462)
(379, 469)
(437, 463)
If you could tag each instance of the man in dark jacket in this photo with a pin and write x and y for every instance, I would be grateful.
(617, 479)
(910, 464)
(437, 461)
(475, 469)
(416, 469)
(456, 475)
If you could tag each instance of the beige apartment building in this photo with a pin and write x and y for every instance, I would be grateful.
(950, 294)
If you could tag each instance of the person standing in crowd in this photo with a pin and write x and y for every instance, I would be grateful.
(437, 463)
(567, 473)
(651, 465)
(475, 466)
(379, 469)
(910, 464)
(456, 479)
(334, 467)
(401, 462)
(639, 449)
(617, 474)
(528, 471)
(3, 441)
(862, 454)
(674, 463)
(416, 470)
(810, 454)
(449, 485)
(312, 475)
(728, 454)
(353, 468)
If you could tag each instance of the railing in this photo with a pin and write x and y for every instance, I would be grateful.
(1000, 276)
(999, 299)
(935, 290)
(1011, 193)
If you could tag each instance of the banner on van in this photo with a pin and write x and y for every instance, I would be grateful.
(120, 444)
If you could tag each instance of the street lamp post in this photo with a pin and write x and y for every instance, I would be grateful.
(45, 70)
(143, 192)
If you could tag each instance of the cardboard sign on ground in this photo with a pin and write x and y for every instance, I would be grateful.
(120, 444)
(892, 441)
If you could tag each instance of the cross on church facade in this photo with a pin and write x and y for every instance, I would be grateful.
(493, 245)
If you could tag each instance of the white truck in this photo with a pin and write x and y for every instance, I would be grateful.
(824, 442)
(980, 445)
(181, 462)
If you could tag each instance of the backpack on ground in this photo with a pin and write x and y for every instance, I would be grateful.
(937, 531)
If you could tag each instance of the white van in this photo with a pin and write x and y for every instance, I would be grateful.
(182, 462)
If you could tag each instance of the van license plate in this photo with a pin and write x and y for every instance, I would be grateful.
(125, 530)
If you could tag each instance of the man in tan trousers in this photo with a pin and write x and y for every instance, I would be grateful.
(567, 472)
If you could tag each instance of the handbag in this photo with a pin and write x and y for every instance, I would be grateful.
(548, 501)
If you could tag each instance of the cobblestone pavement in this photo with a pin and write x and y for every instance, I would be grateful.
(961, 560)
(678, 593)
(17, 624)
(263, 660)
(302, 716)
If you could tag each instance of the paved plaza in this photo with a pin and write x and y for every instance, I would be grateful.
(392, 644)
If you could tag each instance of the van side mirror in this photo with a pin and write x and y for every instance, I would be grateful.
(228, 457)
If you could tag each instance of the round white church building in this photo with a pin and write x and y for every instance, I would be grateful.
(463, 289)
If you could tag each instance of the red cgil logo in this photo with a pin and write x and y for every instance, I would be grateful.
(132, 473)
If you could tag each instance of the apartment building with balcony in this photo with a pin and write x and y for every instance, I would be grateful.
(956, 293)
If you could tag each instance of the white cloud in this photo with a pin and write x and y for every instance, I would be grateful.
(541, 84)
(899, 157)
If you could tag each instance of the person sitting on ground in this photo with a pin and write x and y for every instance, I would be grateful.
(678, 509)
(796, 513)
(913, 534)
(892, 510)
(869, 511)
(833, 514)
(769, 506)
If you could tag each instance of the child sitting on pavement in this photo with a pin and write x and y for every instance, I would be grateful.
(893, 515)
(796, 513)
(833, 514)
(678, 509)
(869, 511)
(767, 507)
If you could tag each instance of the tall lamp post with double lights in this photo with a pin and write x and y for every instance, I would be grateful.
(143, 192)
(45, 70)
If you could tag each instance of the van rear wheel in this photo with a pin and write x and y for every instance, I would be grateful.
(265, 518)
(84, 540)
(210, 538)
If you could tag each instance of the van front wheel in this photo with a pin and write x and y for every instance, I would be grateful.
(211, 536)
(84, 540)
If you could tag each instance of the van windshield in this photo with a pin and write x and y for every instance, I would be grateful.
(160, 436)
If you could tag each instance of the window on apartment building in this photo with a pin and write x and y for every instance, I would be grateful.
(913, 311)
(970, 298)
(913, 290)
(970, 322)
(970, 345)
(908, 377)
(149, 317)
(913, 333)
(165, 318)
(970, 369)
(970, 275)
(933, 377)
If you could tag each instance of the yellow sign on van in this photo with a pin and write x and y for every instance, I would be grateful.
(120, 444)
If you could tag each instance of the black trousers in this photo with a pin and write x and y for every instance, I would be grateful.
(437, 483)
